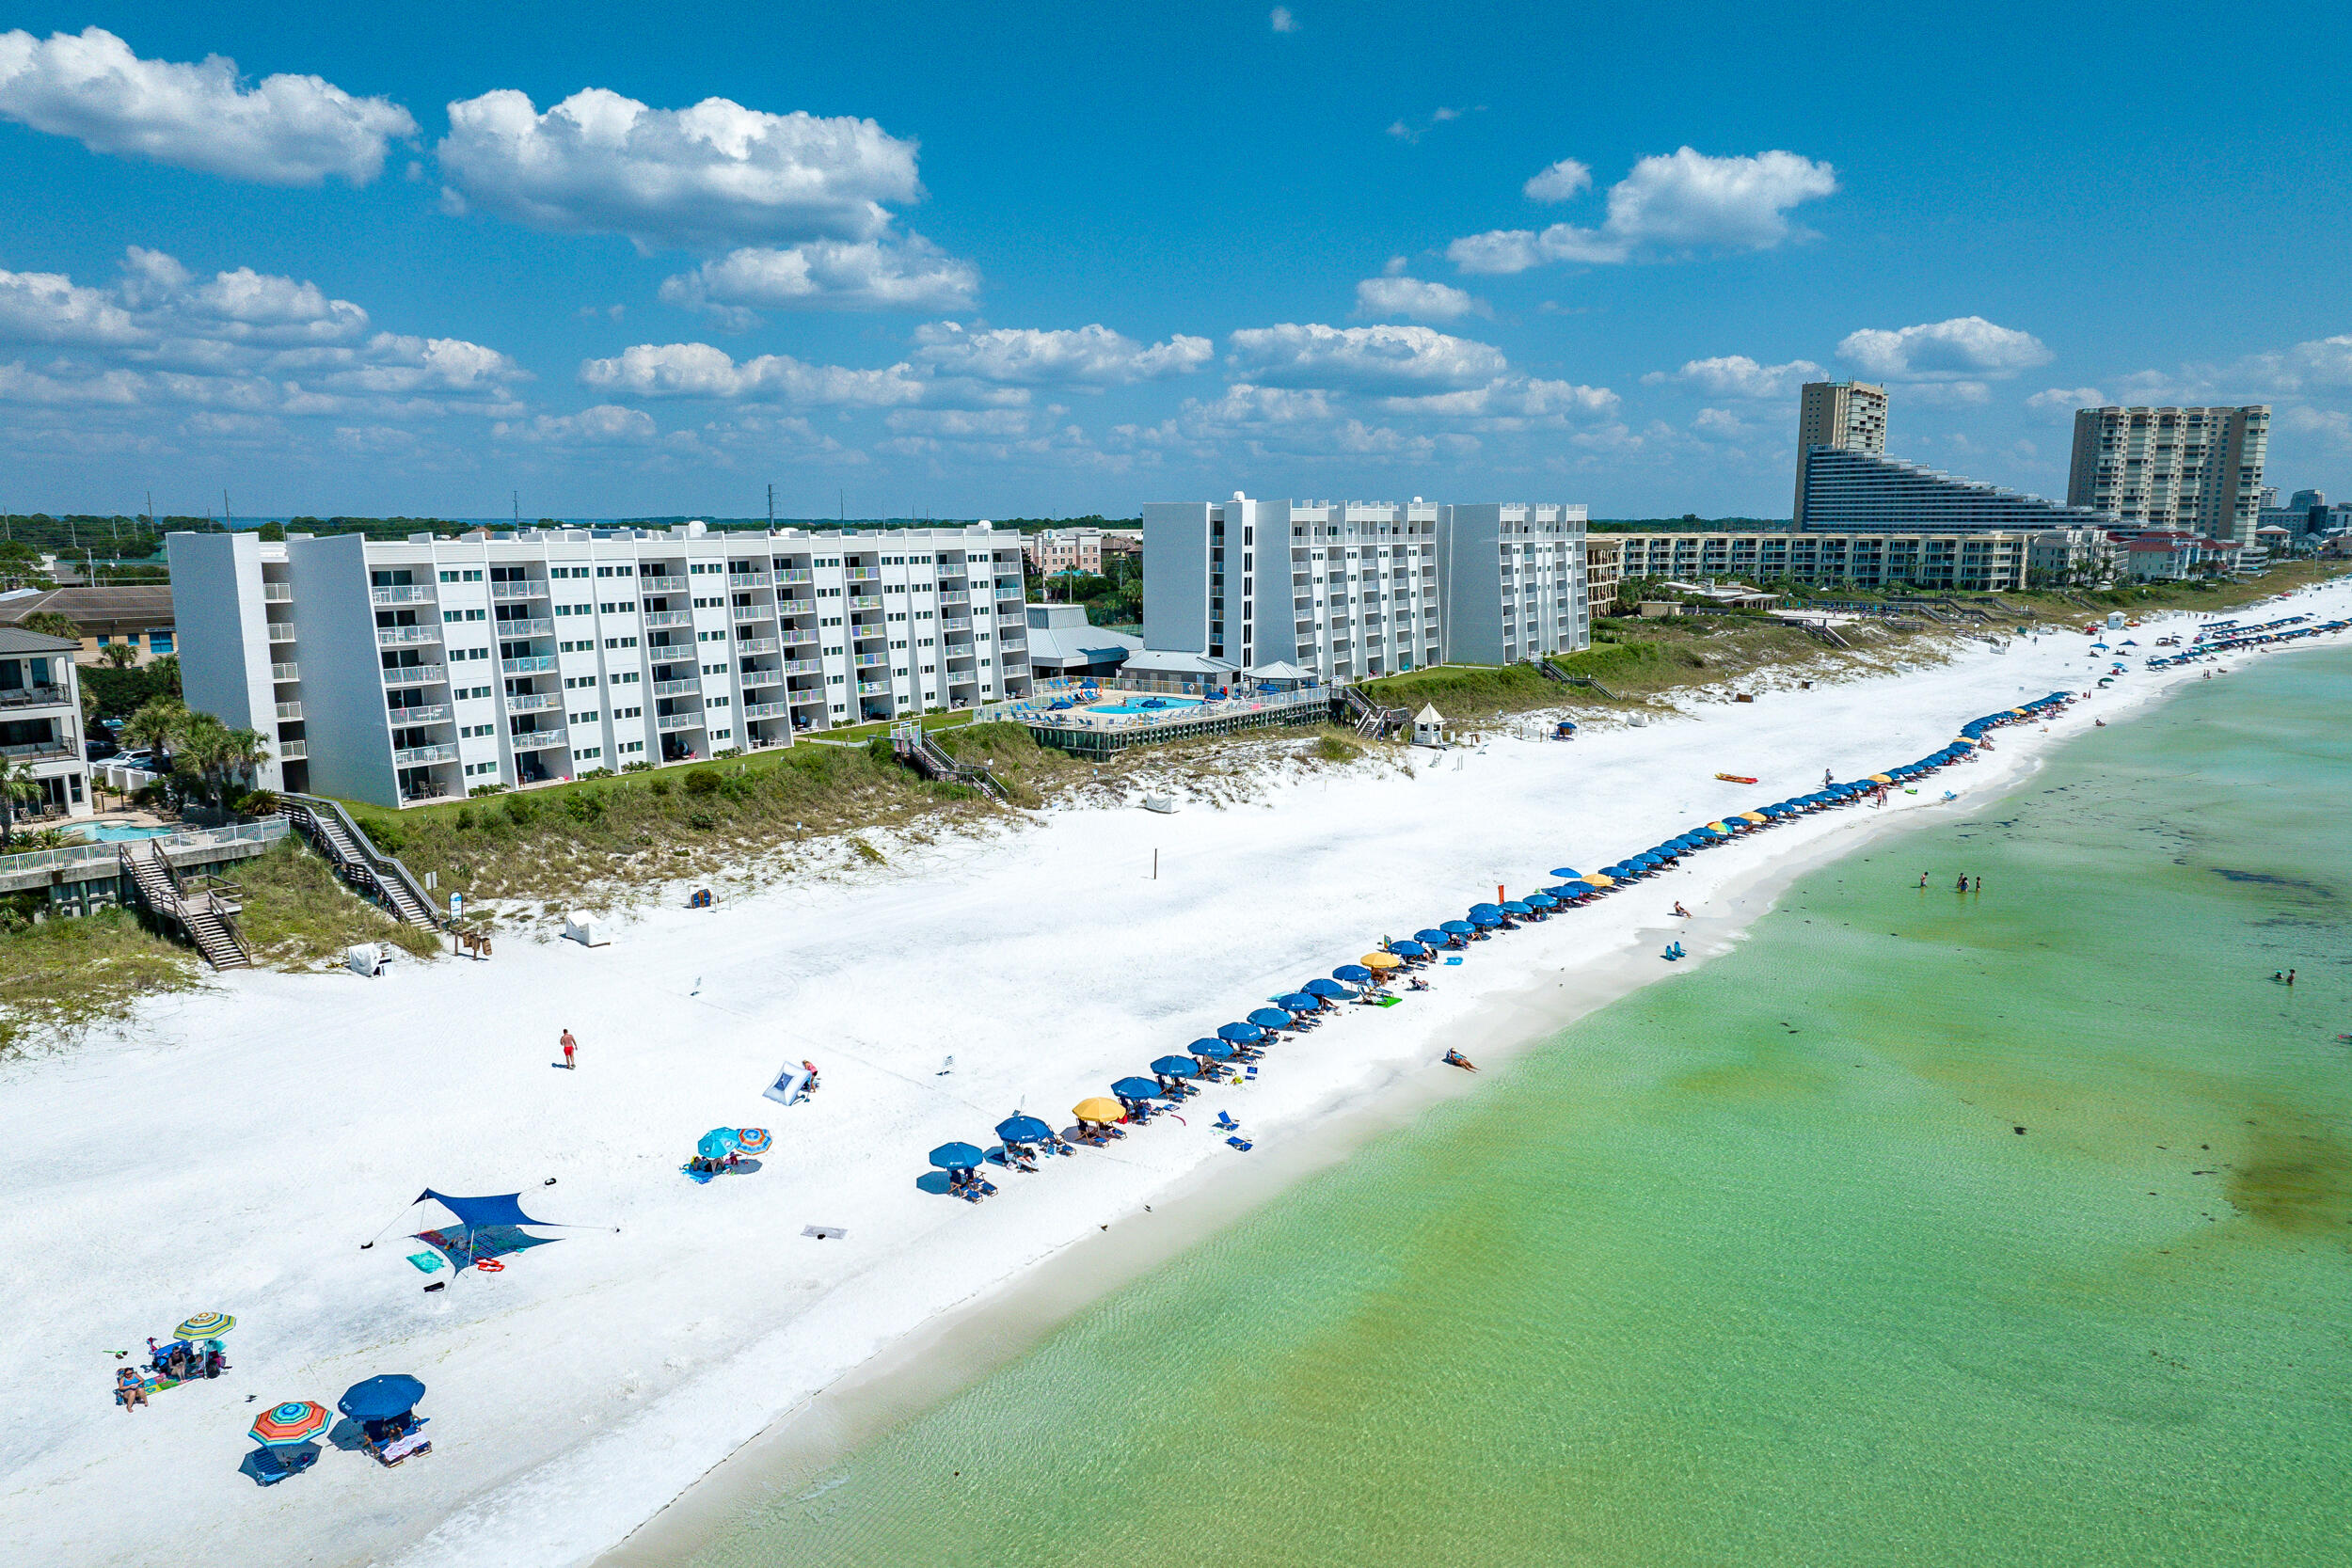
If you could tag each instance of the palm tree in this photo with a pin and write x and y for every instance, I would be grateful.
(216, 754)
(49, 623)
(157, 725)
(18, 784)
(120, 655)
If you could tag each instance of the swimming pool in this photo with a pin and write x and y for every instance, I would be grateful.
(110, 833)
(1134, 705)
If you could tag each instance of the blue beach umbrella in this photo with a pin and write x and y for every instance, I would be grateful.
(1135, 1088)
(1566, 872)
(1299, 1002)
(1172, 1067)
(1486, 909)
(1430, 937)
(1488, 921)
(956, 1157)
(1270, 1017)
(1542, 901)
(1456, 927)
(718, 1143)
(1320, 986)
(1240, 1033)
(1408, 950)
(1353, 973)
(1027, 1130)
(380, 1399)
(1215, 1050)
(1517, 906)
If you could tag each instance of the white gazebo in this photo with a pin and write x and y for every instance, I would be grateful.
(1428, 726)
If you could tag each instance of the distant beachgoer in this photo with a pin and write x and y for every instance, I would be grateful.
(570, 1045)
(2290, 976)
(1980, 887)
(129, 1388)
(1962, 886)
(2278, 976)
(810, 1068)
(1923, 878)
(1827, 778)
(1679, 911)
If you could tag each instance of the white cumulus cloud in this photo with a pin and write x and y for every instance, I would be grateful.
(1369, 359)
(1736, 375)
(1087, 355)
(1942, 351)
(1510, 402)
(1395, 295)
(827, 274)
(1283, 20)
(2067, 399)
(283, 130)
(1669, 204)
(605, 425)
(715, 174)
(701, 370)
(1560, 181)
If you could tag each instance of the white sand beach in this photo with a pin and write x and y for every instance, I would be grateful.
(233, 1150)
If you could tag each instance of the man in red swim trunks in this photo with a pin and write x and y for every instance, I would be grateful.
(570, 1045)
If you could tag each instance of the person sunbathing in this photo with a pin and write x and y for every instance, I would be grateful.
(129, 1388)
(1417, 983)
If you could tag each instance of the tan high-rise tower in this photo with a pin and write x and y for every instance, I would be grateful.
(1848, 415)
(2199, 469)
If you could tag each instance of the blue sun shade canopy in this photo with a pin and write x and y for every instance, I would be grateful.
(1519, 905)
(1486, 909)
(1566, 872)
(956, 1157)
(1486, 920)
(1434, 937)
(1299, 1002)
(1541, 901)
(1457, 927)
(1407, 949)
(501, 1209)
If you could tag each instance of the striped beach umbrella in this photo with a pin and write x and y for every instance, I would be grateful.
(205, 1326)
(753, 1140)
(294, 1421)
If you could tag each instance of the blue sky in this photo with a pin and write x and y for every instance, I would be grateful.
(1066, 259)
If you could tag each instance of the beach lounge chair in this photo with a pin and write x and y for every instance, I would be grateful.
(1225, 1122)
(268, 1466)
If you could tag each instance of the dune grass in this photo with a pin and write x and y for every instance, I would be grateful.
(297, 912)
(59, 977)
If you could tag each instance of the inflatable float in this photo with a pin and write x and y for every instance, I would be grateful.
(1735, 778)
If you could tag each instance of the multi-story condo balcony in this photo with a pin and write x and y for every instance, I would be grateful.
(293, 751)
(414, 757)
(873, 688)
(755, 644)
(744, 612)
(285, 672)
(767, 710)
(400, 637)
(54, 747)
(862, 574)
(677, 689)
(533, 702)
(868, 661)
(533, 627)
(417, 674)
(751, 679)
(667, 723)
(280, 592)
(536, 665)
(957, 597)
(660, 585)
(955, 622)
(532, 740)
(747, 579)
(281, 631)
(866, 601)
(405, 592)
(38, 696)
(423, 713)
(531, 588)
(668, 618)
(802, 666)
(795, 574)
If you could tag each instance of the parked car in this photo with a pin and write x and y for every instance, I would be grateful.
(98, 746)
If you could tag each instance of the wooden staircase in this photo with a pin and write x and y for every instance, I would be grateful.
(367, 870)
(1369, 720)
(207, 920)
(913, 745)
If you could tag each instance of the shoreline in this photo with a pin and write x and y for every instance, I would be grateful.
(603, 1396)
(966, 1343)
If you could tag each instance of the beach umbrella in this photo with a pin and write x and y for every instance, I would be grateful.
(1172, 1067)
(753, 1140)
(1486, 909)
(1383, 960)
(1566, 872)
(205, 1326)
(1754, 816)
(1135, 1088)
(1517, 905)
(1486, 920)
(964, 1157)
(1535, 901)
(1240, 1033)
(381, 1398)
(717, 1144)
(1600, 880)
(1299, 1002)
(1215, 1050)
(1430, 938)
(1355, 975)
(1578, 889)
(1881, 778)
(1026, 1129)
(1320, 986)
(294, 1421)
(1099, 1109)
(1409, 949)
(1270, 1017)
(1719, 828)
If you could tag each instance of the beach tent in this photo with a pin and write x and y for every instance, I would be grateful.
(486, 1228)
(791, 1084)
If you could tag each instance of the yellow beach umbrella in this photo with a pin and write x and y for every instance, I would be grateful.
(2019, 711)
(1881, 778)
(1755, 816)
(1382, 961)
(1961, 740)
(1720, 826)
(1599, 878)
(1099, 1109)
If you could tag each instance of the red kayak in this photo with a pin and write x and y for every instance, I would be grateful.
(1735, 778)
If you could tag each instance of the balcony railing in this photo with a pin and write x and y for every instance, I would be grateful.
(400, 593)
(869, 661)
(417, 674)
(531, 588)
(40, 750)
(285, 672)
(957, 597)
(762, 677)
(793, 574)
(422, 713)
(538, 664)
(416, 756)
(668, 721)
(863, 574)
(755, 644)
(293, 751)
(873, 688)
(290, 710)
(281, 631)
(755, 612)
(662, 585)
(866, 601)
(747, 579)
(956, 623)
(767, 710)
(802, 666)
(535, 627)
(277, 593)
(536, 741)
(34, 696)
(400, 637)
(534, 703)
(677, 689)
(668, 618)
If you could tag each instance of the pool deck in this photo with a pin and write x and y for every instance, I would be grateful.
(1085, 731)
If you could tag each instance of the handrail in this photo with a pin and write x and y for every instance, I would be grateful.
(378, 862)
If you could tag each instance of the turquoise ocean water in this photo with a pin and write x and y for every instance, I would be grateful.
(1756, 1267)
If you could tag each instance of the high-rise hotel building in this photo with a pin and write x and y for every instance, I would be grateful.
(1353, 589)
(1844, 416)
(426, 668)
(2196, 469)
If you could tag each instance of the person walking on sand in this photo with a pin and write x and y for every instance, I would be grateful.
(1923, 878)
(570, 1045)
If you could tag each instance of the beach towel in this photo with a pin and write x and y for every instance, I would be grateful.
(697, 1177)
(1387, 1001)
(1454, 960)
(463, 1244)
(426, 1262)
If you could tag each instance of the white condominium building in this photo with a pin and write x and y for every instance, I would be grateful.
(1353, 589)
(2194, 468)
(40, 724)
(1845, 416)
(397, 672)
(1514, 583)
